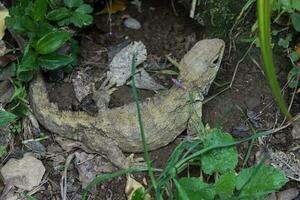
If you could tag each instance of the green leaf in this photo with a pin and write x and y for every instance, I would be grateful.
(73, 3)
(6, 117)
(54, 61)
(138, 194)
(296, 4)
(28, 24)
(8, 72)
(52, 41)
(43, 28)
(225, 185)
(80, 20)
(194, 188)
(84, 9)
(28, 65)
(219, 160)
(292, 78)
(286, 41)
(58, 14)
(39, 9)
(296, 21)
(2, 150)
(294, 56)
(283, 43)
(258, 181)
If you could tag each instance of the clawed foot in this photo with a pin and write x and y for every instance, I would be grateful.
(102, 95)
(137, 163)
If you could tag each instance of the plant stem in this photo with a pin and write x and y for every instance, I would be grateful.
(145, 147)
(263, 7)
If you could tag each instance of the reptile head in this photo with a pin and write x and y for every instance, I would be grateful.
(199, 66)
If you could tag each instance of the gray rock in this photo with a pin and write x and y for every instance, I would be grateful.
(25, 173)
(90, 165)
(288, 194)
(271, 197)
(296, 131)
(132, 23)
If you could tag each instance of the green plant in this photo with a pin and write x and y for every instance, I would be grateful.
(289, 9)
(46, 42)
(216, 155)
(48, 46)
(74, 12)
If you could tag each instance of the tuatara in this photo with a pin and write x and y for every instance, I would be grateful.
(114, 131)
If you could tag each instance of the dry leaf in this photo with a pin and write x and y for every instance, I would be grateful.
(287, 162)
(3, 14)
(131, 186)
(117, 5)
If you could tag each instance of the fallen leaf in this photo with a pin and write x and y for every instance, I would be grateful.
(297, 49)
(131, 186)
(3, 14)
(4, 60)
(6, 92)
(116, 6)
(298, 91)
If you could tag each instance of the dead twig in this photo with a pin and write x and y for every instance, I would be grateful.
(63, 181)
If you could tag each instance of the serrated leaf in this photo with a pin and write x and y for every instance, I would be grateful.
(296, 21)
(28, 24)
(39, 9)
(58, 14)
(225, 185)
(54, 61)
(6, 117)
(73, 3)
(80, 20)
(258, 181)
(84, 9)
(283, 43)
(218, 160)
(52, 41)
(28, 65)
(294, 55)
(194, 188)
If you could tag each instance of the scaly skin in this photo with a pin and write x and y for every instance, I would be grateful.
(165, 116)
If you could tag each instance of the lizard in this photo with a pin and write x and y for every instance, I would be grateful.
(114, 131)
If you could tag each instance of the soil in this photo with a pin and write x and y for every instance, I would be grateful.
(164, 33)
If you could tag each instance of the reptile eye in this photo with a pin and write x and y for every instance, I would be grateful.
(215, 61)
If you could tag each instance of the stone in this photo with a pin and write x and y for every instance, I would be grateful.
(288, 194)
(271, 197)
(296, 131)
(25, 173)
(132, 23)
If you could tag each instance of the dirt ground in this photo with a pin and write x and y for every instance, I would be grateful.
(164, 33)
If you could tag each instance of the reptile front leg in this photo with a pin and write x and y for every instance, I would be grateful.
(99, 142)
(102, 95)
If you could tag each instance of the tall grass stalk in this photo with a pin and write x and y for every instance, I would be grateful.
(264, 26)
(145, 147)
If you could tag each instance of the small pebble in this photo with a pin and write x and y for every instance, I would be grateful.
(25, 173)
(288, 194)
(132, 23)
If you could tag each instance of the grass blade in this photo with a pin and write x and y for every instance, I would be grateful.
(264, 24)
(145, 147)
